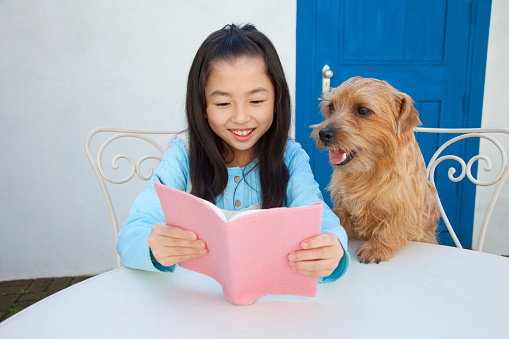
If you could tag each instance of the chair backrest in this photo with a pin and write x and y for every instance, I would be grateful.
(96, 161)
(488, 134)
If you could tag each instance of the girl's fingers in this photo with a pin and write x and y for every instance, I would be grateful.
(315, 254)
(321, 240)
(315, 265)
(172, 260)
(175, 242)
(171, 245)
(174, 232)
(163, 235)
(183, 251)
(320, 256)
(331, 251)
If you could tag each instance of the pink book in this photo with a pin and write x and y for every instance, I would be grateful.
(248, 255)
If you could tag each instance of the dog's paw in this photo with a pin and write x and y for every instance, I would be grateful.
(371, 253)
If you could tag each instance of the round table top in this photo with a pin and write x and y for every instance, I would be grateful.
(426, 291)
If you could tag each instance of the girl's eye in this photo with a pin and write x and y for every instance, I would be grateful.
(257, 101)
(222, 104)
(363, 111)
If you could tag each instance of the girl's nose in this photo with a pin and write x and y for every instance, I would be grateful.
(241, 116)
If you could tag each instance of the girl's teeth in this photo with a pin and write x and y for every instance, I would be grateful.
(242, 133)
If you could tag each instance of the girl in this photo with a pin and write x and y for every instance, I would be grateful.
(236, 154)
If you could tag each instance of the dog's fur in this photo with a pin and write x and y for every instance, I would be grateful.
(380, 194)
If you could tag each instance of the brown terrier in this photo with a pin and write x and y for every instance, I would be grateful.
(379, 186)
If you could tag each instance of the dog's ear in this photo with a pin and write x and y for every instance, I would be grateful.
(408, 117)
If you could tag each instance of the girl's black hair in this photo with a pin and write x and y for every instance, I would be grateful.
(208, 170)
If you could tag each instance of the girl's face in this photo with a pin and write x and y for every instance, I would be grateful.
(240, 104)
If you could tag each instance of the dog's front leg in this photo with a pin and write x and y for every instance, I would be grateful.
(346, 221)
(381, 245)
(374, 251)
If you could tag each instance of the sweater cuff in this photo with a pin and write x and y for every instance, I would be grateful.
(160, 267)
(340, 271)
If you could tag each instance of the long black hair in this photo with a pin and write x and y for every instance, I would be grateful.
(208, 171)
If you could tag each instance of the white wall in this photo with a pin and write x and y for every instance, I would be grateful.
(67, 67)
(495, 114)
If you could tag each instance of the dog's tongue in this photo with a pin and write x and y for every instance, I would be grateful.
(337, 158)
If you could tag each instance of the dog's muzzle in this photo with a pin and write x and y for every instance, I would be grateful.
(326, 135)
(337, 157)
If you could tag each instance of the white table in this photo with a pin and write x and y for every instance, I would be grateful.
(426, 291)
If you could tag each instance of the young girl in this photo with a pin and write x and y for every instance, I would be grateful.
(236, 154)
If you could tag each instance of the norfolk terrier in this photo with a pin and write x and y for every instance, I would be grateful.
(379, 186)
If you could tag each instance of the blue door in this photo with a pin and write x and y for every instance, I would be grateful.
(433, 50)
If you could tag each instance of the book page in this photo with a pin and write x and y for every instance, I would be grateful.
(246, 211)
(216, 209)
(227, 215)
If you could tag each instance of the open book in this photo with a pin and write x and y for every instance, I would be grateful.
(248, 255)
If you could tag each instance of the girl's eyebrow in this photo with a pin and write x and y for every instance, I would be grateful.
(222, 93)
(258, 90)
(219, 93)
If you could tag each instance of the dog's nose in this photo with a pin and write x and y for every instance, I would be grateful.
(326, 134)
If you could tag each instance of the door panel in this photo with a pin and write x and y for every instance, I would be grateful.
(393, 30)
(421, 47)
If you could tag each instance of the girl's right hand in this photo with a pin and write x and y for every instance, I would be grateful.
(171, 244)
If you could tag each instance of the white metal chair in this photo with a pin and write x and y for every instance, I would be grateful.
(500, 179)
(112, 134)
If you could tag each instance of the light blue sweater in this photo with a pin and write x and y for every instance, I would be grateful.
(173, 171)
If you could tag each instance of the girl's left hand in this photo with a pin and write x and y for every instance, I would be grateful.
(319, 257)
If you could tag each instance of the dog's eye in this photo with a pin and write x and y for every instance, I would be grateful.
(331, 107)
(363, 111)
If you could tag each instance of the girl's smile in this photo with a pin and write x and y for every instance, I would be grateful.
(240, 105)
(242, 135)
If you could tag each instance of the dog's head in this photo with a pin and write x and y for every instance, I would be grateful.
(366, 121)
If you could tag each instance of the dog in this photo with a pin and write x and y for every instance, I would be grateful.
(379, 186)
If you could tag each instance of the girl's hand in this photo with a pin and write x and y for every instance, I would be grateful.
(319, 257)
(171, 244)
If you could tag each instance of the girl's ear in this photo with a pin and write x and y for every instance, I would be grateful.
(408, 117)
